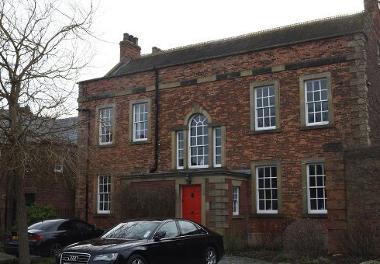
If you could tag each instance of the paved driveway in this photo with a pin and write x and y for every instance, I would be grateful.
(240, 260)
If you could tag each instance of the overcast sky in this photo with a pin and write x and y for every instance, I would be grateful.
(172, 23)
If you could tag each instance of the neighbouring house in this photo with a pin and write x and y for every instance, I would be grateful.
(50, 173)
(242, 135)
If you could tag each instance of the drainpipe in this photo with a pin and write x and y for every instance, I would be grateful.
(87, 111)
(156, 120)
(87, 161)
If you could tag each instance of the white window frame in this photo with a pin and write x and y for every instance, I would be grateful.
(311, 211)
(58, 168)
(259, 211)
(146, 121)
(99, 194)
(214, 146)
(179, 149)
(327, 102)
(189, 145)
(235, 200)
(257, 128)
(110, 116)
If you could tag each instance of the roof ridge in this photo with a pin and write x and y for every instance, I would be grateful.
(290, 26)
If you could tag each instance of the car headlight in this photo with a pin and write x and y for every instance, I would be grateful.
(106, 257)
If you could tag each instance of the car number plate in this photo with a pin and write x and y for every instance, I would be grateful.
(14, 237)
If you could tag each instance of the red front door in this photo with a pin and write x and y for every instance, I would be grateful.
(191, 203)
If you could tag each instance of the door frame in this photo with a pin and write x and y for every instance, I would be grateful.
(200, 198)
(204, 205)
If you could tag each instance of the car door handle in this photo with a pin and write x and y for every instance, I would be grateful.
(180, 243)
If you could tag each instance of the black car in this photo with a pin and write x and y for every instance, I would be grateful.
(170, 241)
(48, 237)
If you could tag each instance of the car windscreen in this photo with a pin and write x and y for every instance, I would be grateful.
(47, 226)
(132, 230)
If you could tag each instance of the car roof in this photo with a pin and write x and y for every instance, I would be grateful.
(52, 221)
(156, 219)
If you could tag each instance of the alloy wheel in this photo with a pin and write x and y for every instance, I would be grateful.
(211, 256)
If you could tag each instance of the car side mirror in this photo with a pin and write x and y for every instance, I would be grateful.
(159, 235)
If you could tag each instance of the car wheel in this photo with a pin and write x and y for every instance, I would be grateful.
(210, 257)
(137, 259)
(55, 249)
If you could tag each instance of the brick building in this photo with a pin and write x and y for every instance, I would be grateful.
(249, 132)
(50, 175)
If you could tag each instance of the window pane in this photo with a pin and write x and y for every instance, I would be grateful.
(188, 228)
(267, 189)
(170, 229)
(316, 185)
(313, 204)
(104, 194)
(105, 125)
(217, 146)
(180, 149)
(235, 200)
(316, 101)
(140, 121)
(199, 140)
(265, 107)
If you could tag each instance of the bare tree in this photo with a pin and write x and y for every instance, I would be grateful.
(39, 55)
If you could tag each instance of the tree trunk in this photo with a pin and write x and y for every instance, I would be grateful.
(9, 202)
(22, 225)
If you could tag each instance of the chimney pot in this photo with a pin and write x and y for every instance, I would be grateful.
(129, 48)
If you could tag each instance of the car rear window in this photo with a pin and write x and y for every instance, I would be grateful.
(188, 228)
(48, 225)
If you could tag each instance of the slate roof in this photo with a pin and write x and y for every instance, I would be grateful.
(313, 30)
(61, 130)
(67, 129)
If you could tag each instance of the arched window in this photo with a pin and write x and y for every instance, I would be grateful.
(198, 143)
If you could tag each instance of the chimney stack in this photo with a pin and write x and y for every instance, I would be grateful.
(371, 5)
(129, 48)
(155, 50)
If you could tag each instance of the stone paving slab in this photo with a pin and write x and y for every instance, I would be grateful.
(241, 260)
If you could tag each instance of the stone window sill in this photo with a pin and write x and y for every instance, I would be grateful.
(269, 131)
(304, 128)
(142, 142)
(321, 216)
(106, 145)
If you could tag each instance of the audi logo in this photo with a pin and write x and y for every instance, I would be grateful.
(72, 258)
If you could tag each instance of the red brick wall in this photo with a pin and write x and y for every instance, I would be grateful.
(228, 104)
(373, 75)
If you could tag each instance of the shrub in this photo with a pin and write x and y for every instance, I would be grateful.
(38, 213)
(304, 238)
